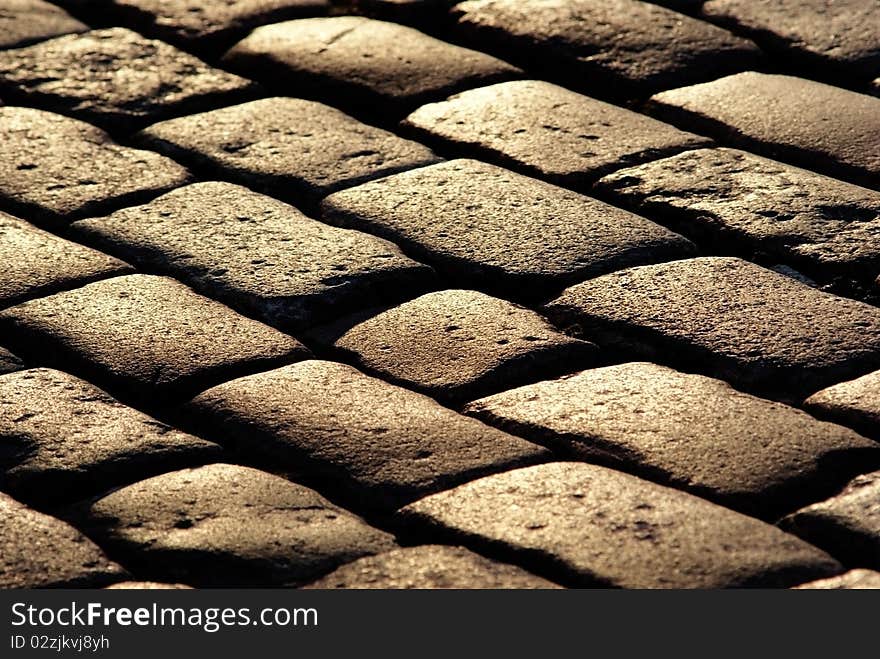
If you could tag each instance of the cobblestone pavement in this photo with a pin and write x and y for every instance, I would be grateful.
(416, 294)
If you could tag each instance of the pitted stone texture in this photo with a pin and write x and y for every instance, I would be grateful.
(588, 525)
(9, 363)
(430, 567)
(59, 168)
(378, 445)
(25, 21)
(842, 33)
(847, 525)
(548, 131)
(62, 438)
(38, 551)
(258, 254)
(291, 148)
(358, 61)
(198, 24)
(457, 345)
(723, 196)
(492, 228)
(855, 403)
(627, 46)
(225, 525)
(146, 585)
(820, 127)
(753, 327)
(35, 263)
(115, 78)
(688, 431)
(852, 580)
(149, 337)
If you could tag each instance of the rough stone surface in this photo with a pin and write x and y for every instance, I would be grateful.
(291, 148)
(115, 78)
(723, 196)
(62, 438)
(588, 525)
(688, 431)
(490, 227)
(376, 444)
(842, 33)
(231, 525)
(61, 168)
(852, 580)
(25, 21)
(547, 131)
(457, 345)
(847, 525)
(430, 567)
(9, 363)
(258, 254)
(728, 318)
(38, 551)
(147, 336)
(823, 128)
(629, 46)
(35, 263)
(358, 61)
(855, 403)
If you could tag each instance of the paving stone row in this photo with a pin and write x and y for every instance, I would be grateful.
(24, 21)
(728, 318)
(376, 445)
(258, 254)
(854, 403)
(115, 78)
(59, 169)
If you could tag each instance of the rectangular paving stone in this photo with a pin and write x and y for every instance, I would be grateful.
(59, 168)
(258, 254)
(291, 148)
(39, 551)
(25, 21)
(491, 228)
(115, 78)
(457, 345)
(855, 403)
(846, 525)
(225, 525)
(852, 580)
(843, 35)
(146, 337)
(730, 198)
(728, 318)
(374, 444)
(62, 438)
(547, 131)
(823, 128)
(621, 47)
(429, 567)
(586, 525)
(360, 62)
(35, 263)
(687, 431)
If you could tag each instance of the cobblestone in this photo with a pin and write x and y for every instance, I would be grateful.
(115, 78)
(430, 567)
(60, 168)
(728, 318)
(457, 345)
(854, 403)
(688, 431)
(183, 341)
(258, 254)
(493, 228)
(231, 525)
(378, 445)
(589, 525)
(291, 148)
(64, 438)
(24, 21)
(785, 118)
(547, 131)
(852, 580)
(9, 363)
